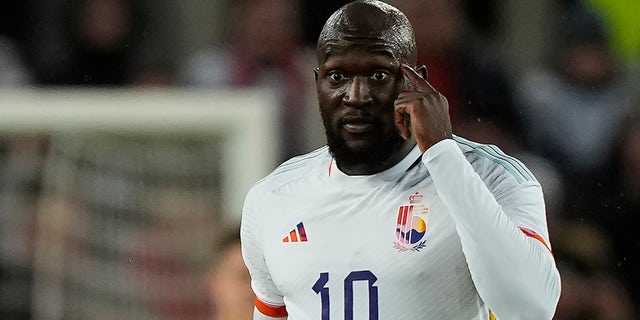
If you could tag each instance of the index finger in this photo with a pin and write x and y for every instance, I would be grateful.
(416, 80)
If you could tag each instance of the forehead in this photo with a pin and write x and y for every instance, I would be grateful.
(373, 47)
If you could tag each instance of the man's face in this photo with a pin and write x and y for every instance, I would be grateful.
(358, 81)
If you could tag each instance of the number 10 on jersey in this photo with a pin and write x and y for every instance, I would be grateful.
(363, 275)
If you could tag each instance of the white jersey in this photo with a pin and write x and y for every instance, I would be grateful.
(454, 233)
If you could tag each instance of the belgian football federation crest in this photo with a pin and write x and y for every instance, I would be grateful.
(411, 225)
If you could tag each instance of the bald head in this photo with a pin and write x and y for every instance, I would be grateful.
(370, 21)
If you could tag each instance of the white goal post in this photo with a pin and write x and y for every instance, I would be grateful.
(246, 121)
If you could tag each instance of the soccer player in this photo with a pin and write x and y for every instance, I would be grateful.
(396, 218)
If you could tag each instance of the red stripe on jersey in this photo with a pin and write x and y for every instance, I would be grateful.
(405, 214)
(330, 165)
(293, 236)
(269, 310)
(535, 235)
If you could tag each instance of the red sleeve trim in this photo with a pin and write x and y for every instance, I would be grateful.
(269, 310)
(535, 235)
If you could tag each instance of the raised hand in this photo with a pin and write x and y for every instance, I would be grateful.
(426, 109)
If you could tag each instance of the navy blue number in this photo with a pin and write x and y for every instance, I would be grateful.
(364, 275)
(319, 287)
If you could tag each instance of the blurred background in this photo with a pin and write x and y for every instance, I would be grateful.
(130, 130)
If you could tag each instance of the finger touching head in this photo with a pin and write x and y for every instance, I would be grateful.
(417, 78)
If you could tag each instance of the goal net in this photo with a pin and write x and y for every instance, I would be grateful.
(111, 200)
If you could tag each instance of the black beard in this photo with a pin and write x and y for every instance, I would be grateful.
(375, 155)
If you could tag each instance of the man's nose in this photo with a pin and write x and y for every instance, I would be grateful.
(358, 93)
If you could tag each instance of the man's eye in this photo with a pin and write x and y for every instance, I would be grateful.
(380, 75)
(336, 76)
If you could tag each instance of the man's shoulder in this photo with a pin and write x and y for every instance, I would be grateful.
(294, 169)
(491, 159)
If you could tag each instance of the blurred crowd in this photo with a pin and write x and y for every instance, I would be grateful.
(555, 83)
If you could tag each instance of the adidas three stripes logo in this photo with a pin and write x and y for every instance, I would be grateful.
(298, 234)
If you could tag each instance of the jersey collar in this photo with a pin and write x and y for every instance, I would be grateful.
(390, 174)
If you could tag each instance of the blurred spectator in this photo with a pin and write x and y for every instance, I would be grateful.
(264, 50)
(102, 38)
(468, 74)
(229, 282)
(573, 109)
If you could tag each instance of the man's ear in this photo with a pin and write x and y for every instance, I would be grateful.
(423, 72)
(316, 73)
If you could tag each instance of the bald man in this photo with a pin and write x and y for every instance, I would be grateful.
(396, 218)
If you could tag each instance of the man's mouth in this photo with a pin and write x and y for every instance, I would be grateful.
(358, 127)
(357, 124)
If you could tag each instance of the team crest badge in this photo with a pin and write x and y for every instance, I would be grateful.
(411, 226)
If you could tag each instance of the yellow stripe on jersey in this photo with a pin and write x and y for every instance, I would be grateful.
(492, 316)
